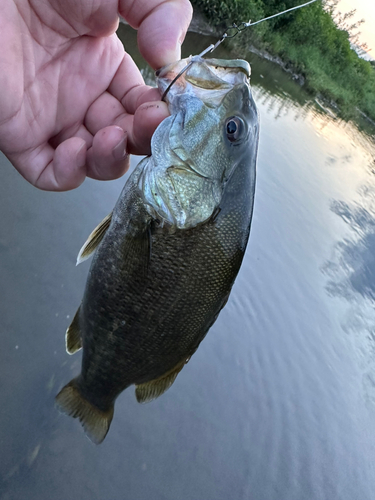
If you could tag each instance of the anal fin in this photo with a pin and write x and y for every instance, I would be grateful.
(94, 239)
(151, 390)
(73, 340)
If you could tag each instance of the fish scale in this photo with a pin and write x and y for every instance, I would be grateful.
(165, 261)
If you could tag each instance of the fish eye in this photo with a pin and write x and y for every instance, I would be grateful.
(233, 128)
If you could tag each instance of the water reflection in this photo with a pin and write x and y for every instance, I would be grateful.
(280, 105)
(351, 274)
(355, 257)
(272, 406)
(272, 86)
(349, 151)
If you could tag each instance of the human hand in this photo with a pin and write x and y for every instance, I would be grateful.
(72, 102)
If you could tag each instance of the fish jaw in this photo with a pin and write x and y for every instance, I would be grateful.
(211, 72)
(184, 179)
(208, 79)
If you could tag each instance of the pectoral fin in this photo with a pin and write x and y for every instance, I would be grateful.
(151, 390)
(73, 339)
(94, 239)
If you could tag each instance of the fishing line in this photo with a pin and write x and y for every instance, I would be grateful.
(230, 32)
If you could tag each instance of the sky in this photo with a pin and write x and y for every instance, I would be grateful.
(365, 10)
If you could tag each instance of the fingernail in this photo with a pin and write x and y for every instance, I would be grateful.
(119, 151)
(172, 55)
(178, 51)
(81, 156)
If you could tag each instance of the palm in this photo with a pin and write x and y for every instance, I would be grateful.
(70, 98)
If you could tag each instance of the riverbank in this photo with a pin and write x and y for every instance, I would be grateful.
(307, 44)
(200, 25)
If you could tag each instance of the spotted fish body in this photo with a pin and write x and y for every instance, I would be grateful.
(167, 257)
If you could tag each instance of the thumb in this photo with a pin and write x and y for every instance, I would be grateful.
(162, 28)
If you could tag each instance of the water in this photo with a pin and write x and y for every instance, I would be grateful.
(278, 403)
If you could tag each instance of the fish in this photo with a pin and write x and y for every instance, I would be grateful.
(165, 259)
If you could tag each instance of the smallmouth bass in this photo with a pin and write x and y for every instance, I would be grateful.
(167, 256)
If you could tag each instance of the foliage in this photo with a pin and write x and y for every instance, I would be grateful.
(316, 40)
(219, 11)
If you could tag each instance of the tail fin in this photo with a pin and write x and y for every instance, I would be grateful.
(94, 421)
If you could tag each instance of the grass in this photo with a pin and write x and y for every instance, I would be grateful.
(308, 41)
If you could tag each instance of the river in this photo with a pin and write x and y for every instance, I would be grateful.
(278, 403)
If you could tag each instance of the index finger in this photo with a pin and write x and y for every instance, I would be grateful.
(161, 25)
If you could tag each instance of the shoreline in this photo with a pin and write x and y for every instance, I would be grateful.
(201, 26)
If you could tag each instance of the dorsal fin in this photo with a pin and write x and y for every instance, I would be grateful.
(151, 390)
(94, 239)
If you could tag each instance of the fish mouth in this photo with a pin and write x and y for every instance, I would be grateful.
(208, 74)
(171, 70)
(230, 65)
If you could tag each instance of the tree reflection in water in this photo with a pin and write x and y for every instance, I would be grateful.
(351, 275)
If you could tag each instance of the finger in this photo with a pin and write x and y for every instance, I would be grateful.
(107, 110)
(139, 128)
(161, 25)
(128, 86)
(75, 131)
(146, 119)
(54, 170)
(107, 159)
(139, 95)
